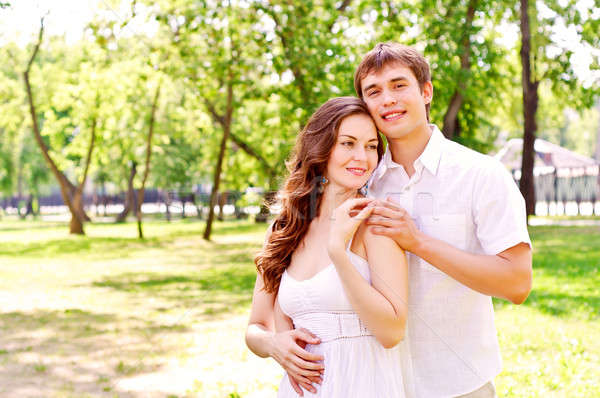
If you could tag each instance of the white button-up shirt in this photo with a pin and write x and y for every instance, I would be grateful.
(470, 201)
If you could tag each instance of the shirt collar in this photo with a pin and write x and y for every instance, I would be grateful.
(429, 159)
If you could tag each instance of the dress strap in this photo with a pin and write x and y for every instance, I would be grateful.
(350, 243)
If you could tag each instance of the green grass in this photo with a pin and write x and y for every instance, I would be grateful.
(550, 343)
(109, 315)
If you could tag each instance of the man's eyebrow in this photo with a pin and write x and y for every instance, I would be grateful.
(392, 80)
(370, 86)
(398, 78)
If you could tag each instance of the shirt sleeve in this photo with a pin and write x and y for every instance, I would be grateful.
(498, 210)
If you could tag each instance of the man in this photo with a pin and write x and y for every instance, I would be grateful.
(461, 218)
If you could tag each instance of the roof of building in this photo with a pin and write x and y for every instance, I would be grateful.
(548, 155)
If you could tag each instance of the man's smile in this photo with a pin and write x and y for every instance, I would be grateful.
(392, 115)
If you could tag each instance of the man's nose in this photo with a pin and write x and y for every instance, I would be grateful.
(388, 98)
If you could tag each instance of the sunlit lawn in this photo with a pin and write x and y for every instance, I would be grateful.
(109, 315)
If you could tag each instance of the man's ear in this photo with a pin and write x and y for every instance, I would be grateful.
(427, 91)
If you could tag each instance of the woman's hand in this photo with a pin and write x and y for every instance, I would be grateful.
(302, 366)
(345, 221)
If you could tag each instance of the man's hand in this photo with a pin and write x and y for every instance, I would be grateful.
(303, 368)
(391, 220)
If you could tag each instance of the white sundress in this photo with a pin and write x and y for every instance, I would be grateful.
(356, 364)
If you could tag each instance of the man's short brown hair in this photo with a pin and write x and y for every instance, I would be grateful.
(384, 54)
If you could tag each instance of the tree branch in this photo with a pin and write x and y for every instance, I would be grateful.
(341, 9)
(149, 141)
(252, 152)
(211, 108)
(65, 185)
(37, 46)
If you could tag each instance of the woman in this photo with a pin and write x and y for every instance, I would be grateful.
(323, 278)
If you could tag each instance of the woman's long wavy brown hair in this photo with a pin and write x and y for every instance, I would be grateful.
(300, 197)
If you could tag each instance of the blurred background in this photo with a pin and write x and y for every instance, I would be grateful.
(139, 140)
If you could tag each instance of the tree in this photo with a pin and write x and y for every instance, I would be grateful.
(530, 104)
(140, 197)
(544, 58)
(72, 195)
(597, 151)
(218, 54)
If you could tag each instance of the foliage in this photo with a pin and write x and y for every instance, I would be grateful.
(282, 60)
(22, 168)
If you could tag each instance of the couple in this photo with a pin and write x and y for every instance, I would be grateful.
(388, 295)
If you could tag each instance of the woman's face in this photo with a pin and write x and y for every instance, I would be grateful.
(354, 155)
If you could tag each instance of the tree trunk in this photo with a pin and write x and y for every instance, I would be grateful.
(530, 104)
(222, 203)
(597, 155)
(183, 202)
(81, 211)
(215, 188)
(96, 201)
(167, 200)
(29, 206)
(66, 187)
(20, 192)
(140, 198)
(130, 196)
(226, 124)
(451, 125)
(195, 203)
(76, 220)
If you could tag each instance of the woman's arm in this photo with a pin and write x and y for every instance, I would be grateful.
(282, 321)
(285, 346)
(383, 305)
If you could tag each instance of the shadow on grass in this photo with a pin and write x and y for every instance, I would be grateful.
(560, 304)
(557, 304)
(29, 226)
(213, 291)
(90, 247)
(77, 350)
(567, 251)
(229, 228)
(223, 283)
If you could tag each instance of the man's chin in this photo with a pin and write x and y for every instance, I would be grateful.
(395, 134)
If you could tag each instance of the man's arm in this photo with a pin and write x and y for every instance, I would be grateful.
(286, 347)
(506, 275)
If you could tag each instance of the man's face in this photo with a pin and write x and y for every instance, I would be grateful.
(396, 101)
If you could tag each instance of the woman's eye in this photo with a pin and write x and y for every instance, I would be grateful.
(372, 147)
(347, 143)
(400, 85)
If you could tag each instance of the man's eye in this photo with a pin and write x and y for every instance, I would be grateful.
(400, 85)
(372, 93)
